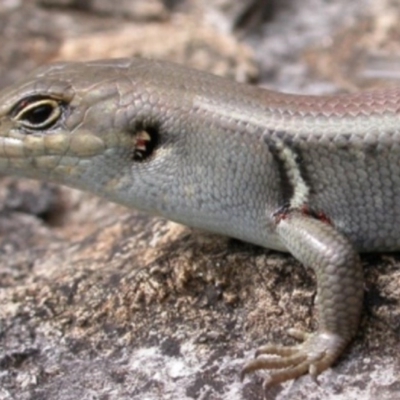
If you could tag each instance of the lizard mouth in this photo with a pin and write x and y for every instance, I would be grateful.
(24, 146)
(34, 155)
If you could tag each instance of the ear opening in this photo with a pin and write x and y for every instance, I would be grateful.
(146, 139)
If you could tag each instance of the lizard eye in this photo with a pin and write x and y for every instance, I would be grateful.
(37, 113)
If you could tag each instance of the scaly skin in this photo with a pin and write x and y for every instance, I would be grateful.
(316, 176)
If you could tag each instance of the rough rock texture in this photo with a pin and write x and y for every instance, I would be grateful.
(101, 302)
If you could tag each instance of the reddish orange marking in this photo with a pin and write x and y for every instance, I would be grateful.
(141, 143)
(284, 213)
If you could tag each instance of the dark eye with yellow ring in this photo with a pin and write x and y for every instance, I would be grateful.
(37, 112)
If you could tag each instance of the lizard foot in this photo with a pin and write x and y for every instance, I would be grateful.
(317, 353)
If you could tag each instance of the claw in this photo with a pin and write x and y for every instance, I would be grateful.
(298, 334)
(285, 375)
(313, 371)
(314, 355)
(265, 362)
(272, 349)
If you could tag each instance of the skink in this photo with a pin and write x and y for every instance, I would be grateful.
(318, 177)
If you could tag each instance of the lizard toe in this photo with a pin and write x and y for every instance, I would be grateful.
(317, 353)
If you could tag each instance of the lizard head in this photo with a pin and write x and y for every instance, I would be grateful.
(146, 134)
(97, 126)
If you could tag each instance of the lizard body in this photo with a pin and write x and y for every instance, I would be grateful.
(317, 176)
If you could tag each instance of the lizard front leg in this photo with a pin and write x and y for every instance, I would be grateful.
(339, 276)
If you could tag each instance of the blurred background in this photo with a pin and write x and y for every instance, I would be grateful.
(312, 45)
